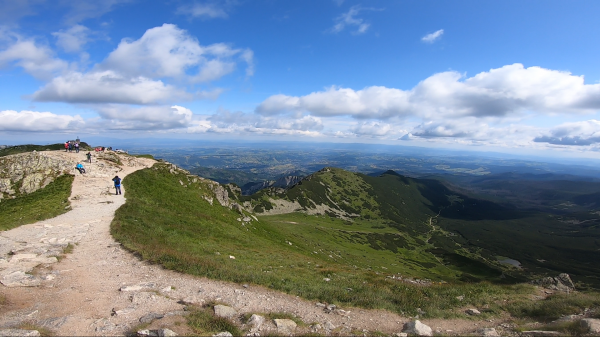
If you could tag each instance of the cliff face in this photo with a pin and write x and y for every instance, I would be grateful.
(27, 172)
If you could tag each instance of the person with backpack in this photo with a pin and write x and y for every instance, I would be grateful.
(66, 146)
(76, 147)
(117, 182)
(80, 168)
(89, 157)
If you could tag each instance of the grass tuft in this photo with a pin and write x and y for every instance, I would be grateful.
(204, 322)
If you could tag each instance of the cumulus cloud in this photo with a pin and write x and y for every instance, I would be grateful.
(33, 121)
(206, 10)
(168, 51)
(72, 39)
(431, 38)
(225, 121)
(107, 87)
(37, 60)
(119, 117)
(350, 19)
(470, 128)
(578, 133)
(372, 128)
(507, 91)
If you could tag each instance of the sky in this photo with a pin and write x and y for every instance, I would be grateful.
(509, 76)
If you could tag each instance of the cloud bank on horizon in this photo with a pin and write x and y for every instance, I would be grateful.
(205, 73)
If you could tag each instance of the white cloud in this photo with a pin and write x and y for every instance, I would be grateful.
(581, 133)
(37, 60)
(168, 51)
(33, 121)
(72, 39)
(225, 121)
(107, 87)
(372, 128)
(431, 38)
(208, 10)
(339, 2)
(350, 19)
(499, 93)
(120, 117)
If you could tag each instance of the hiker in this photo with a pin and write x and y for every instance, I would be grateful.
(76, 147)
(89, 157)
(80, 168)
(117, 182)
(70, 147)
(66, 146)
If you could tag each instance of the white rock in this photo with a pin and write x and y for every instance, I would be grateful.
(473, 312)
(232, 257)
(489, 332)
(417, 328)
(224, 311)
(256, 321)
(223, 334)
(132, 288)
(591, 324)
(166, 333)
(285, 326)
(20, 279)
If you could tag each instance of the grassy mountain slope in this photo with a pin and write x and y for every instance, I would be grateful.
(42, 204)
(168, 219)
(466, 235)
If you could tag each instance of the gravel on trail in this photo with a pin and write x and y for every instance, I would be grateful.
(102, 289)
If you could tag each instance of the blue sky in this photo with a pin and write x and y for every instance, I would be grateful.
(514, 76)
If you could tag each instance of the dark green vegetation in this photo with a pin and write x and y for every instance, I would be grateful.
(29, 148)
(42, 204)
(356, 258)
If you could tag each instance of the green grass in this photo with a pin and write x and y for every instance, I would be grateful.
(555, 306)
(204, 323)
(173, 225)
(42, 204)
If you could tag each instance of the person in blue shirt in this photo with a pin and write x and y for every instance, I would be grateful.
(80, 168)
(117, 182)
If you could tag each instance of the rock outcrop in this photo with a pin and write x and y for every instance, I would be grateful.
(28, 172)
(562, 282)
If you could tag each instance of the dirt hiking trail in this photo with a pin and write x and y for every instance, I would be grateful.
(101, 289)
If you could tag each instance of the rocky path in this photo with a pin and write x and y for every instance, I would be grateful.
(101, 289)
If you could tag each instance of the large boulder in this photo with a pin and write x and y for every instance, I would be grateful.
(285, 326)
(562, 282)
(224, 311)
(591, 325)
(417, 328)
